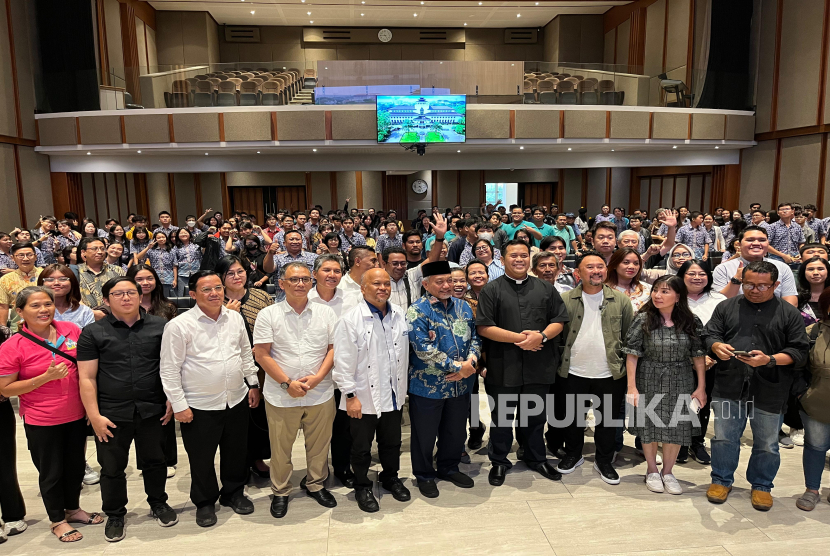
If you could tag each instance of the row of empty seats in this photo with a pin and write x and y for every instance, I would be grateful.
(564, 88)
(239, 88)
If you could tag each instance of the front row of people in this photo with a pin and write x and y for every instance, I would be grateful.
(131, 372)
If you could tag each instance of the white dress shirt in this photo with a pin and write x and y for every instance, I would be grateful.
(348, 285)
(340, 303)
(371, 358)
(705, 306)
(299, 343)
(205, 362)
(398, 295)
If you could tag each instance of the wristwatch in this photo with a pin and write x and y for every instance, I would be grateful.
(285, 385)
(544, 336)
(771, 363)
(350, 395)
(735, 281)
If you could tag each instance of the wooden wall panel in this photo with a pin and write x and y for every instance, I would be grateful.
(800, 59)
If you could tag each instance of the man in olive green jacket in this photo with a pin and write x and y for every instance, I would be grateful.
(599, 316)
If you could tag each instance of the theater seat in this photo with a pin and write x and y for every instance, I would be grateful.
(270, 288)
(249, 93)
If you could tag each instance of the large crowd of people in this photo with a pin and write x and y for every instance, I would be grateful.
(336, 324)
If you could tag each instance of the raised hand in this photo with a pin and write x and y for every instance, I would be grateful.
(440, 226)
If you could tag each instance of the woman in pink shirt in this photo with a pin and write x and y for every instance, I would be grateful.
(38, 366)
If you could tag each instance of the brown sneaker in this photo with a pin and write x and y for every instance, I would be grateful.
(761, 500)
(717, 493)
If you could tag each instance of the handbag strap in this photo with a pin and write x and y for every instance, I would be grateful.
(43, 344)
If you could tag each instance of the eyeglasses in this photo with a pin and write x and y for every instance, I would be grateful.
(119, 295)
(294, 280)
(97, 249)
(482, 248)
(25, 255)
(61, 279)
(236, 274)
(760, 287)
(215, 289)
(397, 265)
(681, 255)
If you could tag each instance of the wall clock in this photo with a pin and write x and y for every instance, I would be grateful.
(419, 187)
(385, 35)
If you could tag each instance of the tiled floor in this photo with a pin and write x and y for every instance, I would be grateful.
(528, 515)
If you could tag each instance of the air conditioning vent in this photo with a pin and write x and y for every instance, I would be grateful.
(433, 36)
(239, 33)
(521, 36)
(339, 35)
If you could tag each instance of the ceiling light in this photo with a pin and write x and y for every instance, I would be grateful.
(521, 148)
(312, 21)
(465, 24)
(612, 150)
(361, 15)
(458, 151)
(569, 148)
(361, 2)
(88, 153)
(252, 12)
(314, 150)
(674, 147)
(308, 13)
(717, 147)
(139, 152)
(258, 152)
(326, 68)
(414, 15)
(480, 3)
(422, 3)
(537, 3)
(518, 15)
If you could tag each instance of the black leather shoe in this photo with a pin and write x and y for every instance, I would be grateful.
(520, 453)
(476, 437)
(459, 479)
(399, 492)
(240, 504)
(497, 475)
(206, 516)
(366, 500)
(303, 483)
(548, 471)
(279, 506)
(346, 478)
(428, 488)
(323, 497)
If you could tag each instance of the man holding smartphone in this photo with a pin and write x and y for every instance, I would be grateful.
(761, 339)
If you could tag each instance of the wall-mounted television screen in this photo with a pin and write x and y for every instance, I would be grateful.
(422, 119)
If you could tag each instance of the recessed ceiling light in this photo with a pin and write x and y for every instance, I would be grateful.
(139, 152)
(612, 150)
(414, 15)
(206, 154)
(458, 151)
(569, 148)
(312, 21)
(308, 13)
(521, 148)
(422, 3)
(537, 3)
(258, 152)
(480, 3)
(314, 150)
(717, 147)
(518, 15)
(252, 12)
(88, 153)
(465, 24)
(674, 147)
(361, 2)
(361, 15)
(327, 68)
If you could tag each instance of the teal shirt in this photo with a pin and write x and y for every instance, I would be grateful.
(449, 236)
(510, 229)
(565, 233)
(545, 229)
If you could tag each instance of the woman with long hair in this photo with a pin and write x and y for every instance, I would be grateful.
(363, 230)
(159, 254)
(624, 272)
(714, 231)
(252, 256)
(64, 285)
(117, 234)
(248, 302)
(664, 348)
(139, 243)
(90, 229)
(330, 243)
(46, 383)
(188, 257)
(813, 279)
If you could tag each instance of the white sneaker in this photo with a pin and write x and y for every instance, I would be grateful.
(171, 472)
(671, 484)
(654, 483)
(13, 528)
(91, 477)
(797, 436)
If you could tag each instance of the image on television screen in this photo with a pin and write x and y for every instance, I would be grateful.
(422, 119)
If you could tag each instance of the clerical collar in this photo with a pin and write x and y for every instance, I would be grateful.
(516, 281)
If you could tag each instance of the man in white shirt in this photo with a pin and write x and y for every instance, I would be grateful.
(371, 360)
(328, 270)
(727, 277)
(293, 342)
(403, 294)
(209, 376)
(361, 259)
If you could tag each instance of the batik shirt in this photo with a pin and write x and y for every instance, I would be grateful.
(59, 243)
(188, 258)
(163, 262)
(280, 260)
(440, 340)
(384, 242)
(346, 244)
(696, 238)
(785, 239)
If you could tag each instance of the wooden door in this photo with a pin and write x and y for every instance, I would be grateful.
(395, 196)
(291, 198)
(248, 199)
(536, 194)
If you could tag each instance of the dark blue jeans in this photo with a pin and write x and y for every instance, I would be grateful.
(730, 421)
(816, 444)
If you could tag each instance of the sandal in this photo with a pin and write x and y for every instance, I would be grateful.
(64, 537)
(92, 519)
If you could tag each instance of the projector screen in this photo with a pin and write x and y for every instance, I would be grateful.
(422, 119)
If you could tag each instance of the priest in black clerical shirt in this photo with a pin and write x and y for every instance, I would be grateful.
(520, 316)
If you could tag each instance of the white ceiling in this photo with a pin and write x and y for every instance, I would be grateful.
(388, 13)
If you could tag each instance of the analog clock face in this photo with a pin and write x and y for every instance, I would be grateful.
(385, 35)
(419, 186)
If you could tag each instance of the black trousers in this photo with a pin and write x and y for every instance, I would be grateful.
(443, 420)
(705, 411)
(227, 430)
(11, 499)
(504, 411)
(792, 417)
(113, 456)
(58, 454)
(341, 438)
(555, 436)
(387, 428)
(605, 435)
(259, 443)
(171, 449)
(481, 428)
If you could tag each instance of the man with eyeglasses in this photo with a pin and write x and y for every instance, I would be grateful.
(12, 282)
(785, 237)
(760, 341)
(94, 272)
(209, 376)
(293, 344)
(727, 277)
(120, 382)
(272, 262)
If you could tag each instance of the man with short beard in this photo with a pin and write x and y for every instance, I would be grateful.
(598, 316)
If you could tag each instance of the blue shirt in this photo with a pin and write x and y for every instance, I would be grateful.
(440, 339)
(511, 229)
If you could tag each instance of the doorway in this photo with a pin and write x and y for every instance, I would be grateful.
(259, 201)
